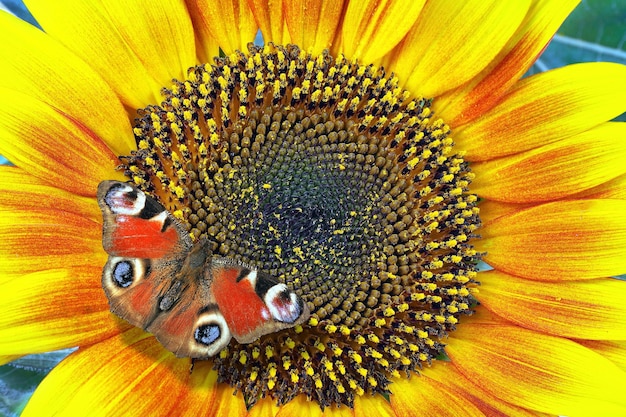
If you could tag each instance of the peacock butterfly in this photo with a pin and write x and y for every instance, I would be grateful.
(158, 279)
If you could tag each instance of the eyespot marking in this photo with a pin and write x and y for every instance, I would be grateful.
(207, 334)
(123, 274)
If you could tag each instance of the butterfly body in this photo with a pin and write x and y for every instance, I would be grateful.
(158, 279)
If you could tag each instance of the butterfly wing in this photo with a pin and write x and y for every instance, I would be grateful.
(146, 245)
(252, 303)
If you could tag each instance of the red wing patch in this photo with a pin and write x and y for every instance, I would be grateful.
(140, 238)
(243, 310)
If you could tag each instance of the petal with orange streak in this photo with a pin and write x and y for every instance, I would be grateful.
(546, 107)
(54, 309)
(137, 46)
(446, 373)
(313, 24)
(554, 171)
(21, 191)
(614, 189)
(47, 238)
(537, 371)
(270, 16)
(230, 23)
(474, 98)
(36, 65)
(453, 41)
(371, 28)
(564, 240)
(613, 350)
(491, 210)
(428, 397)
(52, 145)
(130, 374)
(589, 309)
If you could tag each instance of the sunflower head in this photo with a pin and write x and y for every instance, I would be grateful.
(326, 174)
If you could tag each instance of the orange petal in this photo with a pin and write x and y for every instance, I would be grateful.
(554, 171)
(36, 65)
(557, 241)
(371, 28)
(136, 46)
(536, 371)
(230, 23)
(613, 350)
(269, 15)
(430, 397)
(546, 107)
(47, 238)
(130, 374)
(590, 309)
(313, 24)
(52, 145)
(474, 98)
(452, 41)
(54, 309)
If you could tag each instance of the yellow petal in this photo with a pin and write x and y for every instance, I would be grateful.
(269, 15)
(35, 65)
(428, 397)
(613, 350)
(54, 309)
(536, 371)
(52, 146)
(452, 41)
(229, 22)
(130, 374)
(313, 24)
(366, 406)
(590, 309)
(558, 241)
(265, 407)
(371, 28)
(477, 96)
(9, 358)
(554, 171)
(546, 107)
(136, 46)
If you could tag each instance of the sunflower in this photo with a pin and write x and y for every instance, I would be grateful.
(369, 155)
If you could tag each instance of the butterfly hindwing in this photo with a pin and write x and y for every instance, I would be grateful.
(252, 303)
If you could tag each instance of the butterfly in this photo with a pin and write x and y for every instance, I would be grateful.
(158, 279)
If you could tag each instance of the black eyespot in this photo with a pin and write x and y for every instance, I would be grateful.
(123, 274)
(207, 334)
